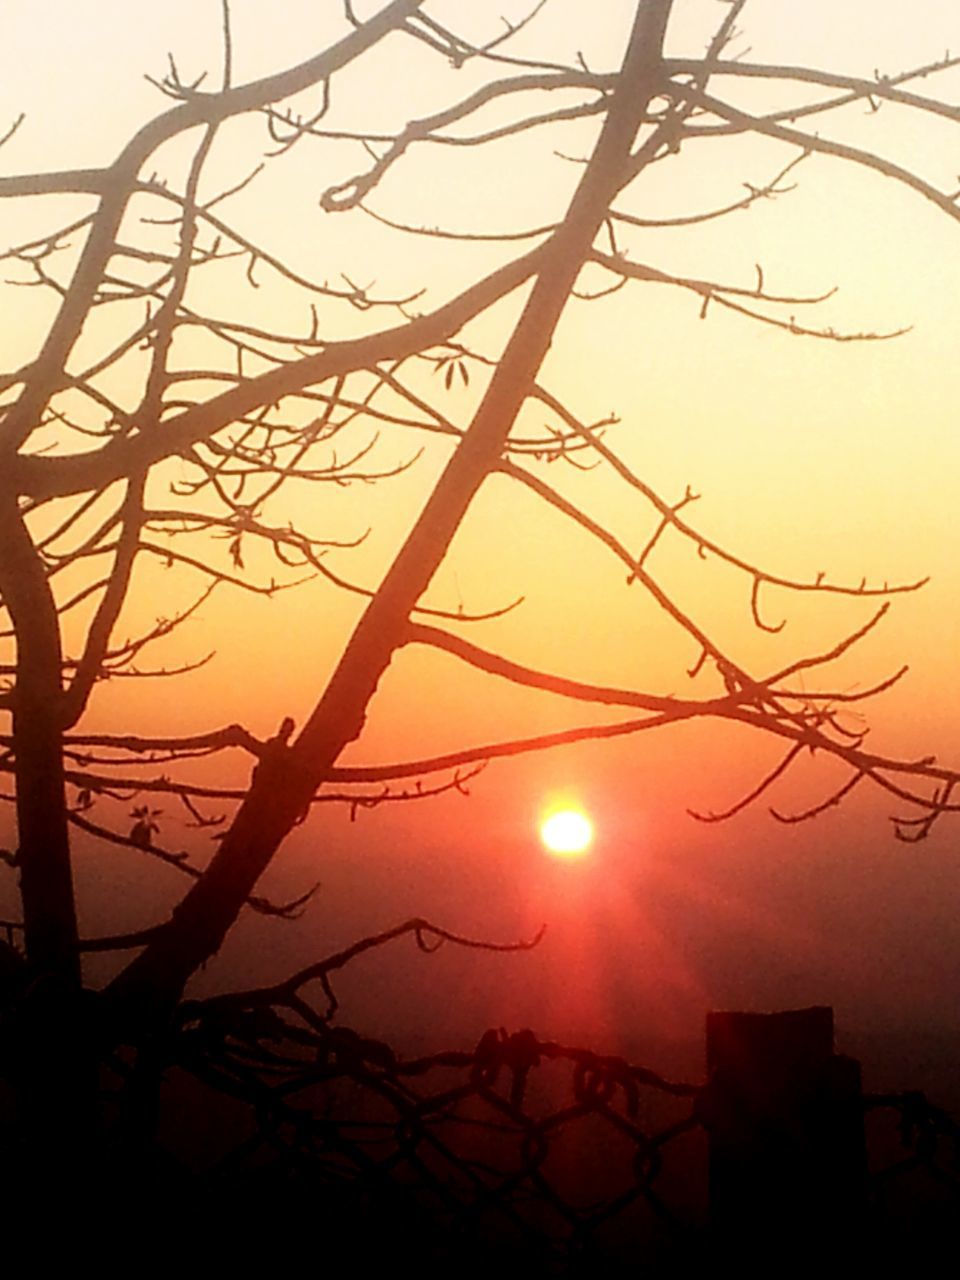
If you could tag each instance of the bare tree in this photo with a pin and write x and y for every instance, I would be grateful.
(148, 419)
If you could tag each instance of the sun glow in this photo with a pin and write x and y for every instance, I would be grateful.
(566, 833)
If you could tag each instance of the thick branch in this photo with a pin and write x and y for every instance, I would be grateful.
(43, 477)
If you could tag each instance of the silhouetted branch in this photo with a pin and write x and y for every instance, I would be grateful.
(669, 514)
(428, 937)
(753, 795)
(831, 801)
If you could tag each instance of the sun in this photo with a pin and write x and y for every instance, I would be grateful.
(566, 833)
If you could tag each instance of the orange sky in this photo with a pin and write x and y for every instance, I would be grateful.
(809, 456)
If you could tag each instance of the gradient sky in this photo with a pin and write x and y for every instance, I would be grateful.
(809, 456)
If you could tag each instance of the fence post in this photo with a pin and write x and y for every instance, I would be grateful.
(785, 1118)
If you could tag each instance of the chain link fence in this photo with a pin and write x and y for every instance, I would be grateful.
(553, 1155)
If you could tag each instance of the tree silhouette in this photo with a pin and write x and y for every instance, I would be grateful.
(171, 400)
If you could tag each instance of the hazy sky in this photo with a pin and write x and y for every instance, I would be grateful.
(809, 456)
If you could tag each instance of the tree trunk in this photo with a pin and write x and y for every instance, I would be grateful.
(285, 781)
(46, 879)
(47, 1048)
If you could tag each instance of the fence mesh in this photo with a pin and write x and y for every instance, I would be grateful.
(555, 1153)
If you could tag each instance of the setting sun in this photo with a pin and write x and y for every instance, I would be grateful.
(567, 833)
